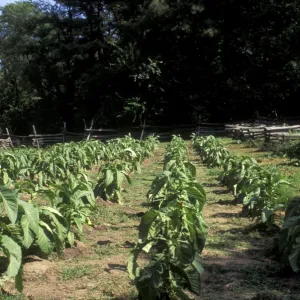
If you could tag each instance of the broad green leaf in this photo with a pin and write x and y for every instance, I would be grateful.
(19, 280)
(52, 210)
(60, 231)
(27, 235)
(138, 167)
(193, 277)
(196, 193)
(44, 242)
(40, 179)
(10, 202)
(284, 182)
(118, 197)
(119, 180)
(178, 290)
(128, 178)
(192, 168)
(294, 256)
(109, 177)
(293, 208)
(14, 254)
(148, 247)
(5, 178)
(78, 223)
(132, 265)
(133, 154)
(146, 222)
(71, 238)
(197, 264)
(291, 222)
(45, 225)
(169, 165)
(32, 215)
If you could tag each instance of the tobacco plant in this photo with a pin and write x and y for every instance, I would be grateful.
(59, 174)
(172, 233)
(173, 239)
(74, 199)
(211, 150)
(258, 189)
(110, 182)
(22, 228)
(288, 242)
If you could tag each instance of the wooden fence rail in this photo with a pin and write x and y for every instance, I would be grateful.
(268, 133)
(43, 140)
(6, 143)
(244, 130)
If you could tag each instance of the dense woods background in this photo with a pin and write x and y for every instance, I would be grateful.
(147, 62)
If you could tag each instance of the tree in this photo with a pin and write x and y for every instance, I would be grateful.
(17, 96)
(158, 61)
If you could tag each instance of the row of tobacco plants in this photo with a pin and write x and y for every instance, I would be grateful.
(58, 178)
(165, 263)
(260, 190)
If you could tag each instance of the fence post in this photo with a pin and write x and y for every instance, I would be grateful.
(64, 132)
(143, 130)
(37, 141)
(142, 133)
(266, 135)
(10, 140)
(119, 133)
(84, 129)
(92, 123)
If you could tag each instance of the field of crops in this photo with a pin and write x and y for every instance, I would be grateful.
(199, 219)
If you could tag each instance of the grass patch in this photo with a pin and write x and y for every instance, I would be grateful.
(11, 297)
(109, 249)
(111, 214)
(278, 149)
(228, 240)
(215, 172)
(71, 273)
(228, 141)
(259, 275)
